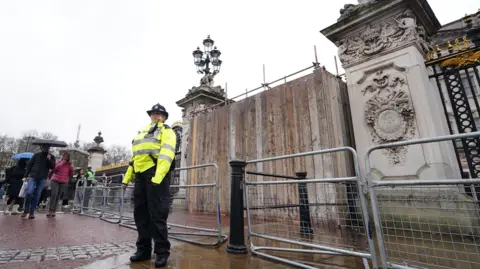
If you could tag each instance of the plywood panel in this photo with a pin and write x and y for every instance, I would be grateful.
(308, 113)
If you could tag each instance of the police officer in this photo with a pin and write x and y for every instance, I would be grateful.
(153, 152)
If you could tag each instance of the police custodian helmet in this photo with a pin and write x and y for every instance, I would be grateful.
(159, 109)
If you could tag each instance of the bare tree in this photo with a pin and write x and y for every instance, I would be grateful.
(85, 146)
(8, 147)
(48, 135)
(25, 143)
(116, 154)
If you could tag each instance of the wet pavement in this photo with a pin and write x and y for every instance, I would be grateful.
(73, 241)
(63, 230)
(187, 256)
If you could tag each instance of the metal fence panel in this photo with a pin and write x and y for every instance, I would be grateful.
(113, 203)
(93, 201)
(426, 223)
(323, 218)
(127, 209)
(194, 211)
(195, 217)
(77, 205)
(437, 227)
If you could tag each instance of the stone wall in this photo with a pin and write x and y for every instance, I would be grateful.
(309, 113)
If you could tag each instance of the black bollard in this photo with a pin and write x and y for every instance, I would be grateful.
(305, 223)
(236, 244)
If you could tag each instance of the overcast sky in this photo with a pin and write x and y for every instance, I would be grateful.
(102, 64)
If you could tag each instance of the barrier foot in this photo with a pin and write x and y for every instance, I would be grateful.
(236, 249)
(222, 240)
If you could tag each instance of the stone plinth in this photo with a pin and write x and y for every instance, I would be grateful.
(198, 100)
(383, 47)
(96, 153)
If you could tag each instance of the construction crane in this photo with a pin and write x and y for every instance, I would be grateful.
(77, 142)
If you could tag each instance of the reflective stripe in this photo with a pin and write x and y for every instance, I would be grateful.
(167, 146)
(163, 157)
(146, 140)
(158, 132)
(146, 151)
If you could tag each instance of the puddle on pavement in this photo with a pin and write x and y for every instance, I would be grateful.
(436, 250)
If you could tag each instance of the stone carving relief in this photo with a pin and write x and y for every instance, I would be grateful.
(351, 9)
(388, 34)
(188, 114)
(389, 113)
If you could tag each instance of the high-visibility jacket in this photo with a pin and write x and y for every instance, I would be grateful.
(156, 142)
(90, 175)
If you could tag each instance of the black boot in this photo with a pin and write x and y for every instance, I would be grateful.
(141, 255)
(161, 261)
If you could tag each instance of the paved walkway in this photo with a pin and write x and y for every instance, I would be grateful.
(72, 241)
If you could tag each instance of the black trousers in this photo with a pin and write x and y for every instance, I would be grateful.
(151, 202)
(14, 198)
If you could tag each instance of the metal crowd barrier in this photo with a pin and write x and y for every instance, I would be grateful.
(113, 205)
(126, 218)
(197, 216)
(78, 197)
(426, 223)
(93, 201)
(318, 216)
(195, 211)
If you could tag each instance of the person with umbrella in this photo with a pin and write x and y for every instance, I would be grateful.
(36, 174)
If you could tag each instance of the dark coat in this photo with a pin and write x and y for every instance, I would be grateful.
(70, 192)
(39, 166)
(14, 176)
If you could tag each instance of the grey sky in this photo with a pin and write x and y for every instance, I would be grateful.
(102, 64)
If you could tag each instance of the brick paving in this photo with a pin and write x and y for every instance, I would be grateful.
(85, 251)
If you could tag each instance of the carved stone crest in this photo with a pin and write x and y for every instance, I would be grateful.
(388, 34)
(389, 113)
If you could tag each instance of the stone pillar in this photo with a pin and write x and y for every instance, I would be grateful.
(382, 46)
(200, 99)
(96, 153)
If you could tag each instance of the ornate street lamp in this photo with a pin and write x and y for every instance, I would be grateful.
(203, 60)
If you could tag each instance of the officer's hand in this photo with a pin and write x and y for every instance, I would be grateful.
(124, 186)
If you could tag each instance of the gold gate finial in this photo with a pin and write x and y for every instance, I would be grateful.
(449, 46)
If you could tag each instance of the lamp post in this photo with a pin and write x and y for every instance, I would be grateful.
(210, 56)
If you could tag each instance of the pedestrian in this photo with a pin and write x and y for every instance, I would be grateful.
(61, 174)
(80, 176)
(36, 174)
(14, 177)
(45, 196)
(70, 192)
(90, 177)
(151, 166)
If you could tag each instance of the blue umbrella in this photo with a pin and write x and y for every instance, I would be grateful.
(24, 155)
